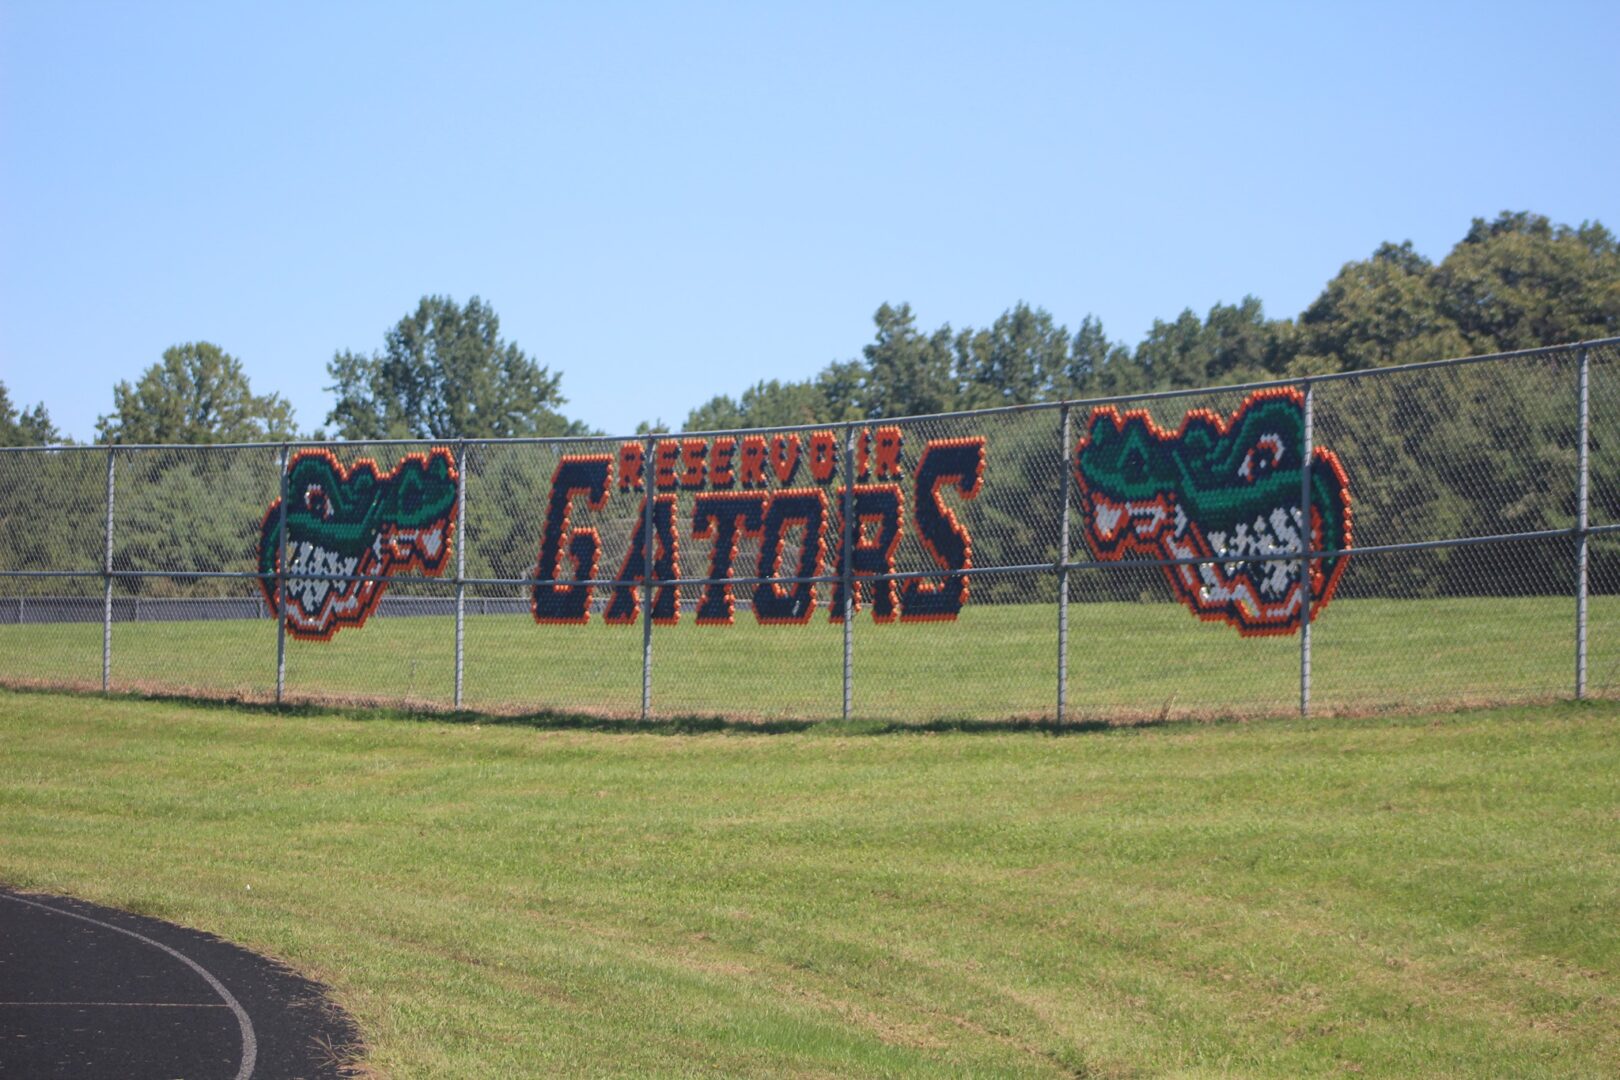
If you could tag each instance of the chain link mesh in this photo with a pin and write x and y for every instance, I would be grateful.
(170, 636)
(1603, 617)
(51, 631)
(1482, 449)
(1137, 652)
(404, 657)
(1604, 410)
(190, 509)
(985, 645)
(53, 507)
(956, 549)
(514, 663)
(1502, 629)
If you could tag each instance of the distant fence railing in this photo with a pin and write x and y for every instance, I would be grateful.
(55, 609)
(1433, 534)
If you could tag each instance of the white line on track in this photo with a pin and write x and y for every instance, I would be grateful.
(112, 1005)
(250, 1043)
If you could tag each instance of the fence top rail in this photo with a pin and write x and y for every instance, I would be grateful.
(1116, 399)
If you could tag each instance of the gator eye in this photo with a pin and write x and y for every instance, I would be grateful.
(316, 501)
(411, 501)
(1135, 464)
(1264, 456)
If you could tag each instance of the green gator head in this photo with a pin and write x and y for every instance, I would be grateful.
(1228, 489)
(355, 523)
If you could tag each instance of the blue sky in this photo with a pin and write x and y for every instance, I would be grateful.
(665, 202)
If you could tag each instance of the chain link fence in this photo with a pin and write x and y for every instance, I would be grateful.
(1112, 560)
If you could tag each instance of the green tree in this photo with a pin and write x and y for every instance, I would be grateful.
(716, 414)
(908, 373)
(769, 403)
(1174, 353)
(1091, 357)
(1520, 282)
(1242, 342)
(1233, 343)
(25, 427)
(193, 511)
(1020, 358)
(45, 500)
(843, 385)
(1379, 311)
(446, 373)
(198, 393)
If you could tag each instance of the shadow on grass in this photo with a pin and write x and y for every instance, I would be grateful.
(550, 720)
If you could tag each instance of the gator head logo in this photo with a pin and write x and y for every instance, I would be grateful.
(355, 522)
(1226, 490)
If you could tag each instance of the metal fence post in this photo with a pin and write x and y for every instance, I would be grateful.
(1307, 452)
(648, 549)
(107, 581)
(281, 582)
(1063, 574)
(1581, 523)
(848, 556)
(460, 538)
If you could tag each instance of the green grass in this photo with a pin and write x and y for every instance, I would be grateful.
(1412, 896)
(1132, 660)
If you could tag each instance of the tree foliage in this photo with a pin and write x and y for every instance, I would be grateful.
(1020, 357)
(1521, 281)
(445, 372)
(198, 393)
(1383, 310)
(1431, 451)
(25, 427)
(1513, 283)
(907, 372)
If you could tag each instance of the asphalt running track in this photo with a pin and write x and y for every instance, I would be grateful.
(95, 994)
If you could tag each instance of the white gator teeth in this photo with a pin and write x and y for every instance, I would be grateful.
(1245, 551)
(1243, 570)
(311, 594)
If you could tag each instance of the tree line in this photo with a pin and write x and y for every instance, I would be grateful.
(1517, 282)
(1432, 454)
(445, 371)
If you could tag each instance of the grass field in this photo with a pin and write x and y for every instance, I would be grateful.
(1411, 896)
(995, 662)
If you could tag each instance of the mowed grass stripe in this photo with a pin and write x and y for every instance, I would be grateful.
(995, 662)
(1430, 896)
